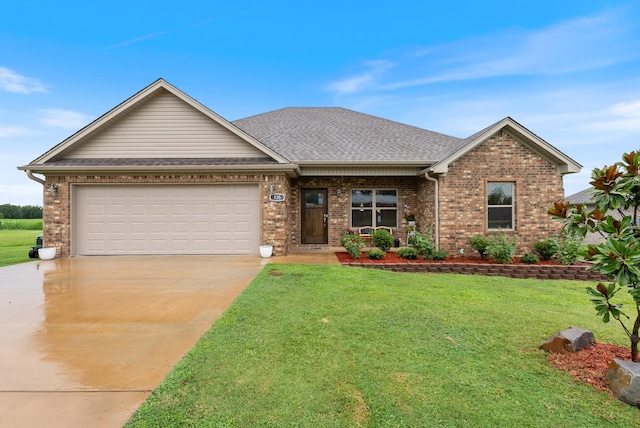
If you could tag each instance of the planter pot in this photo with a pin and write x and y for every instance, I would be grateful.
(47, 253)
(266, 250)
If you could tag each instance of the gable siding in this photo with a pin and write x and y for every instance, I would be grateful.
(165, 127)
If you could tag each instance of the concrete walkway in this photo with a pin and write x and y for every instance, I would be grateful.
(86, 339)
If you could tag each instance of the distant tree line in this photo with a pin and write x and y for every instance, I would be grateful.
(17, 211)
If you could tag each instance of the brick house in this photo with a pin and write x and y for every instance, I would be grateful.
(162, 174)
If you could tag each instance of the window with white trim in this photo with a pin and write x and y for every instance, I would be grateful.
(374, 207)
(500, 205)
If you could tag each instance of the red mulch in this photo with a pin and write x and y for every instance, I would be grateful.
(589, 365)
(392, 257)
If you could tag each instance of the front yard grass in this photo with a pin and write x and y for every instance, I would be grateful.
(320, 346)
(15, 245)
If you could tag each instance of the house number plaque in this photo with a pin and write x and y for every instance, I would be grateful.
(276, 197)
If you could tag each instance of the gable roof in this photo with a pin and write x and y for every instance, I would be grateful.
(313, 135)
(564, 163)
(59, 154)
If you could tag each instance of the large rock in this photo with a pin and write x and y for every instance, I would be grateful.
(572, 339)
(623, 378)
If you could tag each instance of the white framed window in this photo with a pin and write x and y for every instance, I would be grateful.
(374, 207)
(500, 205)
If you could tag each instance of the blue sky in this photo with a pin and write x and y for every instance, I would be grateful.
(567, 70)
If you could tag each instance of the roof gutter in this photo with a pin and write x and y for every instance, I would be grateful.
(33, 177)
(437, 208)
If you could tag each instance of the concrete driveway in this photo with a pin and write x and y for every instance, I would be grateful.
(85, 340)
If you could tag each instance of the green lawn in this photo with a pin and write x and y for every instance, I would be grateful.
(321, 346)
(15, 245)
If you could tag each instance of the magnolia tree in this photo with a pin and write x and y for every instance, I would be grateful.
(616, 194)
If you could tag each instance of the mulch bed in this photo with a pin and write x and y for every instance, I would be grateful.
(392, 257)
(589, 365)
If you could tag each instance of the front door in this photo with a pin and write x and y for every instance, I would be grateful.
(314, 216)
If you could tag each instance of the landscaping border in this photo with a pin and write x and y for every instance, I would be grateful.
(570, 272)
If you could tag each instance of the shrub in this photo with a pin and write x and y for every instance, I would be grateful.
(375, 254)
(408, 253)
(500, 249)
(382, 239)
(569, 249)
(352, 242)
(532, 259)
(423, 244)
(480, 244)
(547, 248)
(439, 254)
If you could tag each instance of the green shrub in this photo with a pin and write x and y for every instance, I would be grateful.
(500, 249)
(375, 254)
(382, 239)
(439, 254)
(423, 244)
(408, 253)
(547, 248)
(529, 258)
(569, 249)
(352, 242)
(480, 244)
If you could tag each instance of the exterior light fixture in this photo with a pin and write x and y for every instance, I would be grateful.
(52, 189)
(339, 192)
(271, 188)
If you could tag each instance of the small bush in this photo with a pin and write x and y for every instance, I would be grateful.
(423, 244)
(500, 249)
(382, 239)
(547, 248)
(352, 242)
(439, 254)
(480, 244)
(569, 249)
(375, 254)
(408, 253)
(532, 259)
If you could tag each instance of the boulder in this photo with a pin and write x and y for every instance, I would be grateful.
(623, 377)
(570, 340)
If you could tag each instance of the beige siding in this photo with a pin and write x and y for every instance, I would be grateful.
(165, 127)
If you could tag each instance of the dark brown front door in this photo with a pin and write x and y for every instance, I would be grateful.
(314, 216)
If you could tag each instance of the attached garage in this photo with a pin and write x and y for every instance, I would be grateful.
(114, 219)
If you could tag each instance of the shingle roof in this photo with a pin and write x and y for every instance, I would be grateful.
(303, 134)
(581, 197)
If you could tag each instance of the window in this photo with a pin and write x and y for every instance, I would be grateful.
(500, 205)
(374, 208)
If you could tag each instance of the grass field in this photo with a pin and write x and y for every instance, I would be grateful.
(24, 224)
(335, 346)
(15, 245)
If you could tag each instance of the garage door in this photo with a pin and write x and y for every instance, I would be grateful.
(166, 219)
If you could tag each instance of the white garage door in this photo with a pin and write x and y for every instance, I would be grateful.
(166, 219)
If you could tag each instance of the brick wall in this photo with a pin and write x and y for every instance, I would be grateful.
(57, 209)
(463, 211)
(339, 207)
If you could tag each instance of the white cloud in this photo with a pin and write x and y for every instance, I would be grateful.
(579, 44)
(14, 131)
(363, 80)
(10, 81)
(67, 119)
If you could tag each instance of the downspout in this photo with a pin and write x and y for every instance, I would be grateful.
(437, 209)
(33, 177)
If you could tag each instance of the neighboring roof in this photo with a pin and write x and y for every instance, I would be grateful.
(581, 197)
(338, 135)
(563, 162)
